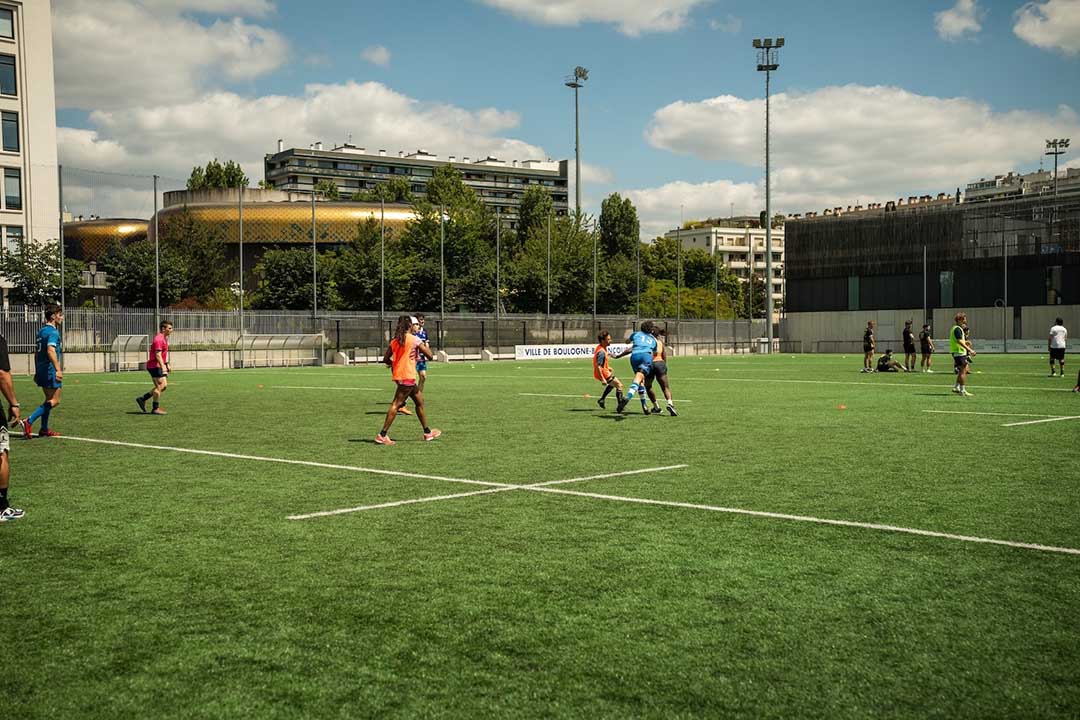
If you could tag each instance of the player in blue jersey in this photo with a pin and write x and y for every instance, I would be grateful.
(640, 346)
(421, 362)
(48, 376)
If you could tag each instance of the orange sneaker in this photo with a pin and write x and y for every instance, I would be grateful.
(384, 440)
(435, 432)
(404, 410)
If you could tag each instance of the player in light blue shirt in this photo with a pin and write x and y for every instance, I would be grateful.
(641, 347)
(47, 373)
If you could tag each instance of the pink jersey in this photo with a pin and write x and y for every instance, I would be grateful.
(159, 344)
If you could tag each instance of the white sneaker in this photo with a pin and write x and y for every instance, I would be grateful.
(10, 514)
(930, 371)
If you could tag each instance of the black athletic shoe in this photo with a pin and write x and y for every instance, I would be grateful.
(622, 405)
(141, 403)
(656, 410)
(671, 411)
(600, 402)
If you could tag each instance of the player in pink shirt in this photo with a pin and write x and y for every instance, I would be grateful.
(158, 367)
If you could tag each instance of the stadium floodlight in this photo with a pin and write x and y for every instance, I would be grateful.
(576, 81)
(1056, 147)
(768, 61)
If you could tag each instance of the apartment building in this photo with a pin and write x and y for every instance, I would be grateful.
(29, 204)
(741, 249)
(499, 184)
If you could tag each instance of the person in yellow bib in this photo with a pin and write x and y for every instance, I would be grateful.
(962, 352)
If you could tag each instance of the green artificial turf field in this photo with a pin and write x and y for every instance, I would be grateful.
(154, 583)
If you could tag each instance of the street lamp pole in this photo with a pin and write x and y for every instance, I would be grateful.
(576, 82)
(768, 52)
(1056, 147)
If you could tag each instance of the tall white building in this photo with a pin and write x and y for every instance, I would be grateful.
(29, 204)
(741, 249)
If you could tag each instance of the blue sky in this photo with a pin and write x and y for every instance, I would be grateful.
(873, 99)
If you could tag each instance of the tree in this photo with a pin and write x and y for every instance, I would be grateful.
(131, 274)
(619, 227)
(33, 269)
(266, 185)
(756, 286)
(200, 248)
(217, 176)
(327, 189)
(285, 281)
(357, 270)
(394, 190)
(536, 208)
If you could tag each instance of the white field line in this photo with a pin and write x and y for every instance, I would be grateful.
(326, 387)
(124, 382)
(503, 488)
(811, 519)
(1046, 420)
(997, 414)
(284, 461)
(398, 503)
(579, 396)
(917, 386)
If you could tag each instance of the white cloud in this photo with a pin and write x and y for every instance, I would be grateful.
(118, 53)
(168, 140)
(962, 18)
(630, 17)
(377, 55)
(658, 207)
(853, 144)
(1050, 25)
(729, 24)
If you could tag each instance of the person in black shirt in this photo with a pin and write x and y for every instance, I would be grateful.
(7, 389)
(909, 346)
(926, 343)
(886, 363)
(868, 347)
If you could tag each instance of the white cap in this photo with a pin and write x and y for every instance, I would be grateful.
(413, 320)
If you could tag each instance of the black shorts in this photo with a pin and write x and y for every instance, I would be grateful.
(960, 361)
(1057, 354)
(926, 350)
(156, 372)
(659, 369)
(867, 348)
(909, 349)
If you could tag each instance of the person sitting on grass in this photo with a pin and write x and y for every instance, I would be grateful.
(401, 357)
(886, 363)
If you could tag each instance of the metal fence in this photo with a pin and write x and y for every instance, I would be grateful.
(365, 334)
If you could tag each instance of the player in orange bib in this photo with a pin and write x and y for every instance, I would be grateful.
(602, 371)
(401, 357)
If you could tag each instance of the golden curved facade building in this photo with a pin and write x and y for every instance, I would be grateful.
(89, 240)
(276, 223)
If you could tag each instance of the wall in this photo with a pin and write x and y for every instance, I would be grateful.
(842, 331)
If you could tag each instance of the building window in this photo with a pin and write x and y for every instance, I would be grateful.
(7, 75)
(11, 131)
(7, 24)
(12, 189)
(14, 234)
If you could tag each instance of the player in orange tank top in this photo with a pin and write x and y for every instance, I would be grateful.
(401, 357)
(602, 369)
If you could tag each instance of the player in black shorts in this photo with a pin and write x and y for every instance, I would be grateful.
(909, 347)
(659, 374)
(886, 363)
(926, 343)
(7, 388)
(868, 347)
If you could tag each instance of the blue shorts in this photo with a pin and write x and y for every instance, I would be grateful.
(47, 380)
(421, 365)
(641, 363)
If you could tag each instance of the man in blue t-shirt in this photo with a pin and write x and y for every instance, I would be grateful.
(47, 373)
(640, 346)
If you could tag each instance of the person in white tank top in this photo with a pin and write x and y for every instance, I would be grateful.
(1055, 344)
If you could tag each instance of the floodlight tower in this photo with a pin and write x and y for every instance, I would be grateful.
(1056, 147)
(768, 55)
(577, 81)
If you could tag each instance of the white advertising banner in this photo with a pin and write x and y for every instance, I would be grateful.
(561, 352)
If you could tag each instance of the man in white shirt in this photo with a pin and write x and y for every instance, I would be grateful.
(1056, 345)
